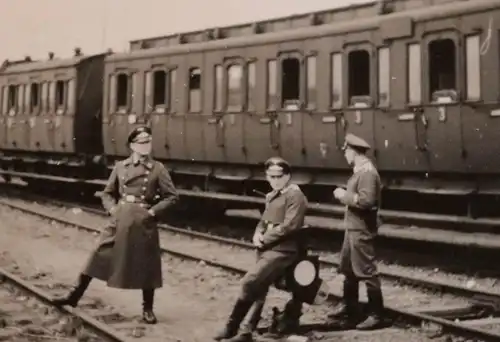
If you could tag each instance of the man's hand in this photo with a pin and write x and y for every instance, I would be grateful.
(338, 193)
(257, 240)
(151, 212)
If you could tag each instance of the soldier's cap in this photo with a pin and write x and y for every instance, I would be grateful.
(140, 135)
(355, 142)
(277, 164)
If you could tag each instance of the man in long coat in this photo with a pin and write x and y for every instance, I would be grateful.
(285, 211)
(357, 263)
(128, 255)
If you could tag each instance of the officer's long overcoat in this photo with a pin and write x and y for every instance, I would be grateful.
(128, 254)
(362, 200)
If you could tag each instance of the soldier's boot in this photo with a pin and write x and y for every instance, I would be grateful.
(349, 307)
(289, 320)
(376, 308)
(148, 315)
(76, 294)
(246, 334)
(239, 312)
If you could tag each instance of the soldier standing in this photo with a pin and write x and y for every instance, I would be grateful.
(284, 213)
(357, 259)
(128, 255)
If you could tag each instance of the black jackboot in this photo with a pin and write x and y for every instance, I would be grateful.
(289, 320)
(76, 294)
(239, 312)
(376, 307)
(246, 334)
(349, 306)
(148, 315)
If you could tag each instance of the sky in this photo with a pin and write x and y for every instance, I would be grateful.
(35, 27)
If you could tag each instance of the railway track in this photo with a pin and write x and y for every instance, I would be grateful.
(465, 312)
(15, 290)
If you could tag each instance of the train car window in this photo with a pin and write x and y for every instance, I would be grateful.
(473, 66)
(12, 100)
(234, 88)
(147, 92)
(359, 73)
(174, 100)
(311, 82)
(132, 97)
(442, 66)
(194, 90)
(159, 91)
(271, 85)
(20, 98)
(414, 74)
(251, 96)
(290, 83)
(219, 70)
(71, 96)
(34, 101)
(44, 97)
(384, 76)
(5, 99)
(122, 92)
(27, 98)
(336, 80)
(60, 96)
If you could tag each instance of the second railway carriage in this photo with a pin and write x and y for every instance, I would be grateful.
(51, 115)
(418, 84)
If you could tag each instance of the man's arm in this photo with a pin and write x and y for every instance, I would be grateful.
(367, 195)
(296, 207)
(168, 193)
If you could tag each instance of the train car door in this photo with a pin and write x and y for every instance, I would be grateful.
(232, 121)
(324, 126)
(123, 111)
(64, 114)
(157, 104)
(176, 124)
(291, 100)
(359, 79)
(214, 133)
(18, 121)
(42, 129)
(261, 127)
(197, 110)
(441, 115)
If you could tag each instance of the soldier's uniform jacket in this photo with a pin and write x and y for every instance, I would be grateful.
(129, 255)
(285, 212)
(362, 198)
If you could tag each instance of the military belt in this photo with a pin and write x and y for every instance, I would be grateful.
(135, 199)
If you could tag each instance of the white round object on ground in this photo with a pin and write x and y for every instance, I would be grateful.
(304, 273)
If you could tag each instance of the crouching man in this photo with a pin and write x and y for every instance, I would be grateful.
(284, 214)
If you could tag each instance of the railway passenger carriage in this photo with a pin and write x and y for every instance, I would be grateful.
(51, 114)
(418, 79)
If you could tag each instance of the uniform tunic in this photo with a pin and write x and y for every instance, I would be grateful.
(128, 255)
(362, 199)
(284, 213)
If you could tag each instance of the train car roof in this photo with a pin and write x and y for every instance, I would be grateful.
(280, 24)
(41, 65)
(372, 23)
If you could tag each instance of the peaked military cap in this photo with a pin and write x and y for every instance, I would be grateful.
(356, 142)
(141, 134)
(277, 164)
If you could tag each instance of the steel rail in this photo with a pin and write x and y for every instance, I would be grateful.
(389, 216)
(389, 275)
(413, 317)
(97, 327)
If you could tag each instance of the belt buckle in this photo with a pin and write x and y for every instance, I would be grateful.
(130, 198)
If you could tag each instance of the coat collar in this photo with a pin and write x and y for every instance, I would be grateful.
(147, 162)
(364, 165)
(274, 194)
